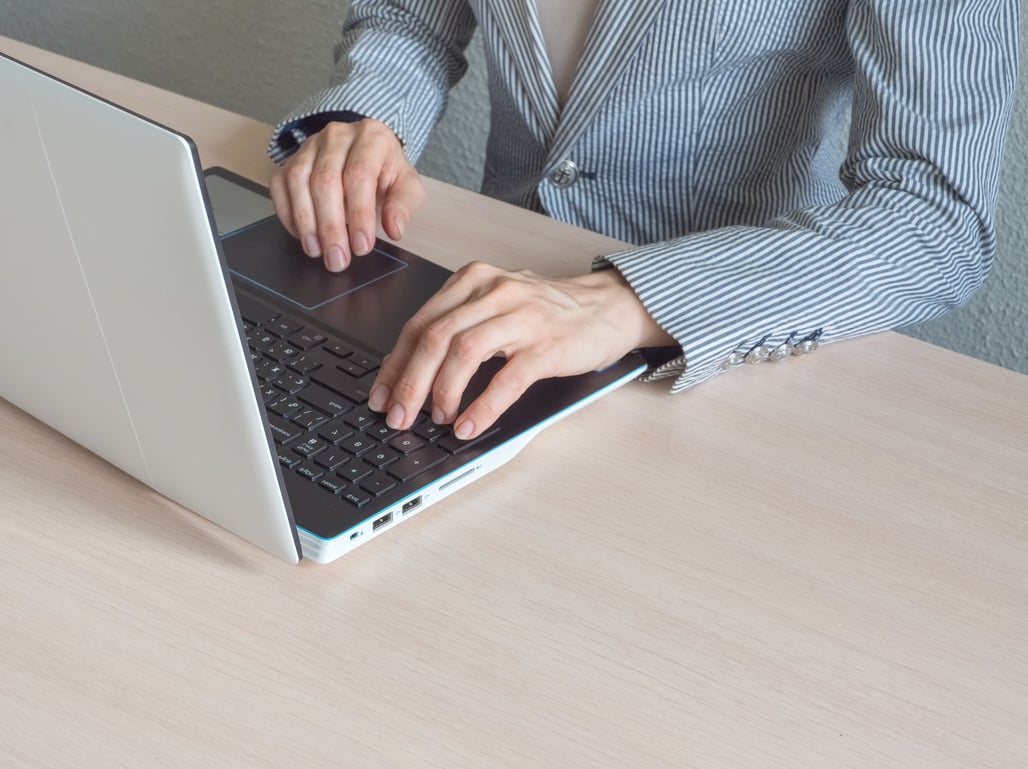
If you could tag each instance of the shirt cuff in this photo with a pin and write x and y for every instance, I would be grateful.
(290, 134)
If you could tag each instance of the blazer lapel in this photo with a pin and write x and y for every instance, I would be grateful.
(518, 25)
(617, 31)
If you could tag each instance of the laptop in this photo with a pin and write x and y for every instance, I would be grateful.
(226, 370)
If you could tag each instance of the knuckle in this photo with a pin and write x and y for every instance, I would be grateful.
(295, 174)
(331, 232)
(357, 174)
(512, 379)
(323, 175)
(466, 348)
(414, 327)
(474, 269)
(405, 389)
(436, 336)
(375, 128)
(445, 396)
(337, 131)
(507, 287)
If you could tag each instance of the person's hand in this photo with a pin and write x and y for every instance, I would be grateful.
(328, 193)
(544, 327)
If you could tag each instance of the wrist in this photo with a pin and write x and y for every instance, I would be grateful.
(627, 308)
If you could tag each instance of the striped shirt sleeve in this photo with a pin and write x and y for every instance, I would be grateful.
(913, 236)
(395, 62)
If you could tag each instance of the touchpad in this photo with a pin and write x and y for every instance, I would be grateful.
(267, 255)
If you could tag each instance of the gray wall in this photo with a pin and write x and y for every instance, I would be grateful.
(262, 56)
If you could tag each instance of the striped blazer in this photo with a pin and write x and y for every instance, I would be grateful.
(706, 133)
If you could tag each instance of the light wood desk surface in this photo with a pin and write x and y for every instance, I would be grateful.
(821, 563)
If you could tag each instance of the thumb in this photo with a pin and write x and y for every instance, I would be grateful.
(401, 199)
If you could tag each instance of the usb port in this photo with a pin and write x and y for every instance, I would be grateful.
(380, 522)
(411, 504)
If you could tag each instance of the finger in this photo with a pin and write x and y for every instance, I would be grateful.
(450, 296)
(506, 387)
(400, 201)
(404, 380)
(446, 353)
(361, 183)
(468, 349)
(296, 177)
(280, 199)
(327, 193)
(406, 376)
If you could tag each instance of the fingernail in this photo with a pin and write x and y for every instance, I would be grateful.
(336, 260)
(438, 415)
(401, 226)
(395, 417)
(311, 247)
(360, 244)
(378, 398)
(464, 429)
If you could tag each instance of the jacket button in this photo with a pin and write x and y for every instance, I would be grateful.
(565, 175)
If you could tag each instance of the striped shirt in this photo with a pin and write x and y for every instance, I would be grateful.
(704, 133)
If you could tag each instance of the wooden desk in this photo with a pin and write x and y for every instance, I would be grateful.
(821, 563)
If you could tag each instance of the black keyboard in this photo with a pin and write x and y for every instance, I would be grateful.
(315, 388)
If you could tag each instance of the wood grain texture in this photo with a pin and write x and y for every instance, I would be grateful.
(818, 563)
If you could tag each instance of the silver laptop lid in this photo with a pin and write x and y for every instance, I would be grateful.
(112, 273)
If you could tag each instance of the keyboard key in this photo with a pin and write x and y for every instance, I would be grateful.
(333, 484)
(411, 465)
(455, 445)
(338, 349)
(281, 430)
(310, 446)
(380, 457)
(283, 326)
(267, 370)
(325, 400)
(361, 418)
(354, 389)
(430, 431)
(356, 496)
(335, 430)
(378, 484)
(357, 444)
(288, 460)
(309, 471)
(305, 364)
(308, 419)
(292, 383)
(352, 368)
(307, 339)
(366, 362)
(285, 406)
(281, 351)
(380, 431)
(258, 340)
(354, 471)
(406, 443)
(331, 459)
